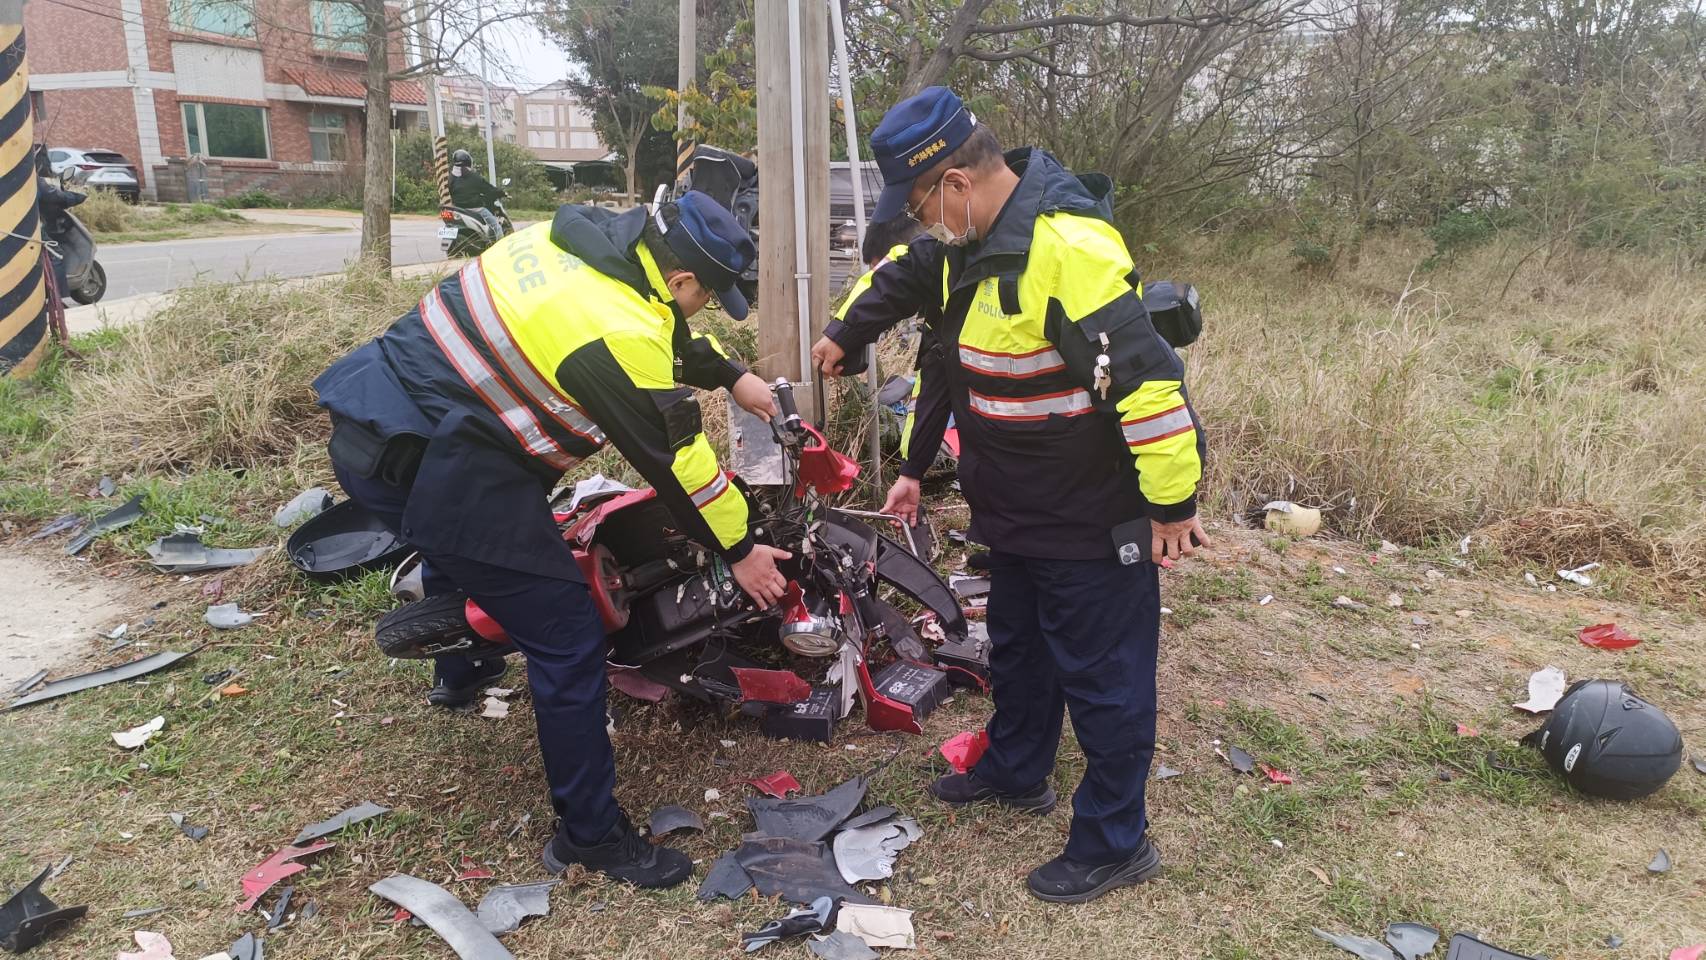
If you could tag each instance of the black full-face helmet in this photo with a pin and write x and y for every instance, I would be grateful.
(1608, 742)
(461, 158)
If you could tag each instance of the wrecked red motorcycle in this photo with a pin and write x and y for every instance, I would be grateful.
(858, 610)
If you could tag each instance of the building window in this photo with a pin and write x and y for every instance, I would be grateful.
(541, 115)
(227, 18)
(542, 139)
(339, 26)
(584, 140)
(327, 138)
(227, 131)
(38, 106)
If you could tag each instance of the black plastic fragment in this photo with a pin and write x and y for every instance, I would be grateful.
(1465, 947)
(1660, 862)
(86, 681)
(726, 878)
(1412, 941)
(807, 818)
(187, 828)
(29, 916)
(813, 919)
(281, 909)
(247, 947)
(872, 816)
(343, 542)
(59, 524)
(122, 517)
(1361, 946)
(366, 810)
(669, 818)
(1241, 760)
(798, 871)
(503, 908)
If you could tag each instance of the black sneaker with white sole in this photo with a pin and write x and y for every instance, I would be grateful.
(621, 854)
(961, 789)
(1062, 880)
(486, 672)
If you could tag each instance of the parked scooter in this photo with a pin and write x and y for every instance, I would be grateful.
(464, 233)
(675, 616)
(85, 279)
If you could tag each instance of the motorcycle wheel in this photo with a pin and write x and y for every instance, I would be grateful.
(93, 288)
(431, 627)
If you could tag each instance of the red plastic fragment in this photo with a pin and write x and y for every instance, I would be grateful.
(277, 867)
(636, 684)
(822, 468)
(1465, 730)
(473, 871)
(771, 686)
(776, 785)
(1695, 952)
(1607, 636)
(963, 750)
(1276, 775)
(402, 916)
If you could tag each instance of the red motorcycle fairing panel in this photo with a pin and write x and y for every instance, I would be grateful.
(483, 624)
(581, 532)
(822, 468)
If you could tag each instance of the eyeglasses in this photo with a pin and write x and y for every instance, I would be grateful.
(913, 211)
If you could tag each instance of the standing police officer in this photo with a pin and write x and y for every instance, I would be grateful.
(1079, 454)
(455, 424)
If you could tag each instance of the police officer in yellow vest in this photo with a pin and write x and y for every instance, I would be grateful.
(455, 424)
(1079, 455)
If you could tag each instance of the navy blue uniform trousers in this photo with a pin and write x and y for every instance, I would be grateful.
(1078, 636)
(557, 629)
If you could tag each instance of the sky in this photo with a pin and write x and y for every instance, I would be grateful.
(522, 57)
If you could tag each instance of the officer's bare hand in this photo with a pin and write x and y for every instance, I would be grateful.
(754, 397)
(903, 500)
(757, 574)
(827, 356)
(1173, 540)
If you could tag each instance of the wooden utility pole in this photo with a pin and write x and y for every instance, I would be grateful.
(427, 52)
(783, 184)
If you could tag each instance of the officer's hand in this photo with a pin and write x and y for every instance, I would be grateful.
(903, 500)
(827, 356)
(754, 397)
(1173, 540)
(757, 575)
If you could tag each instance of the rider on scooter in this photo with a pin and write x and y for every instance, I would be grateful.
(471, 192)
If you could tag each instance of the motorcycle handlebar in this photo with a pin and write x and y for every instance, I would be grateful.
(785, 402)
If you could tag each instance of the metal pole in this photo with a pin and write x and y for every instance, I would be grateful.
(802, 261)
(435, 116)
(686, 74)
(857, 174)
(486, 95)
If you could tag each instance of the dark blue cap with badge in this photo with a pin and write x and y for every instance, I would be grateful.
(916, 134)
(714, 246)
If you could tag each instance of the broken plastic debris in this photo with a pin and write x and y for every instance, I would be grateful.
(713, 795)
(1361, 946)
(1164, 772)
(472, 871)
(1266, 599)
(595, 486)
(59, 524)
(122, 517)
(246, 947)
(1660, 863)
(840, 945)
(185, 553)
(154, 946)
(138, 735)
(444, 914)
(798, 923)
(778, 784)
(1544, 688)
(807, 818)
(963, 750)
(227, 616)
(1241, 761)
(668, 819)
(187, 828)
(28, 917)
(1698, 763)
(797, 870)
(495, 708)
(771, 686)
(1695, 952)
(1465, 947)
(281, 909)
(1411, 941)
(1607, 636)
(725, 878)
(28, 682)
(275, 869)
(869, 852)
(1465, 730)
(1276, 775)
(308, 503)
(503, 908)
(1288, 519)
(366, 810)
(1346, 603)
(878, 926)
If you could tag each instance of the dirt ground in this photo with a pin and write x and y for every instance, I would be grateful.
(55, 611)
(1395, 813)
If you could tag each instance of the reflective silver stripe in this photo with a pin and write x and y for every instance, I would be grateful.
(711, 491)
(1046, 360)
(1158, 427)
(1068, 404)
(486, 317)
(479, 376)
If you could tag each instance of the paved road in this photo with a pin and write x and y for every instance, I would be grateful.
(141, 268)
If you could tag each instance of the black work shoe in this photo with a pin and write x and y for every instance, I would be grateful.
(461, 698)
(623, 855)
(960, 789)
(1067, 881)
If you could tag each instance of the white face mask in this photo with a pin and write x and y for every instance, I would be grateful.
(938, 231)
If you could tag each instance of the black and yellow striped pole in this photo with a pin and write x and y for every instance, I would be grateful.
(441, 166)
(23, 314)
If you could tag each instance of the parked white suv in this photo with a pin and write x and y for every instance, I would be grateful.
(95, 169)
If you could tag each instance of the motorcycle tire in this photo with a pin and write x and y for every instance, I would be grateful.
(432, 627)
(92, 288)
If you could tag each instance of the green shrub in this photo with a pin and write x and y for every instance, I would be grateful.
(252, 200)
(417, 182)
(105, 212)
(1458, 232)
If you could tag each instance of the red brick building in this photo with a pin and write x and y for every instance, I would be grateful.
(211, 97)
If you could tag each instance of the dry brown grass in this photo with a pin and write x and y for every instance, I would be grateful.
(1421, 407)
